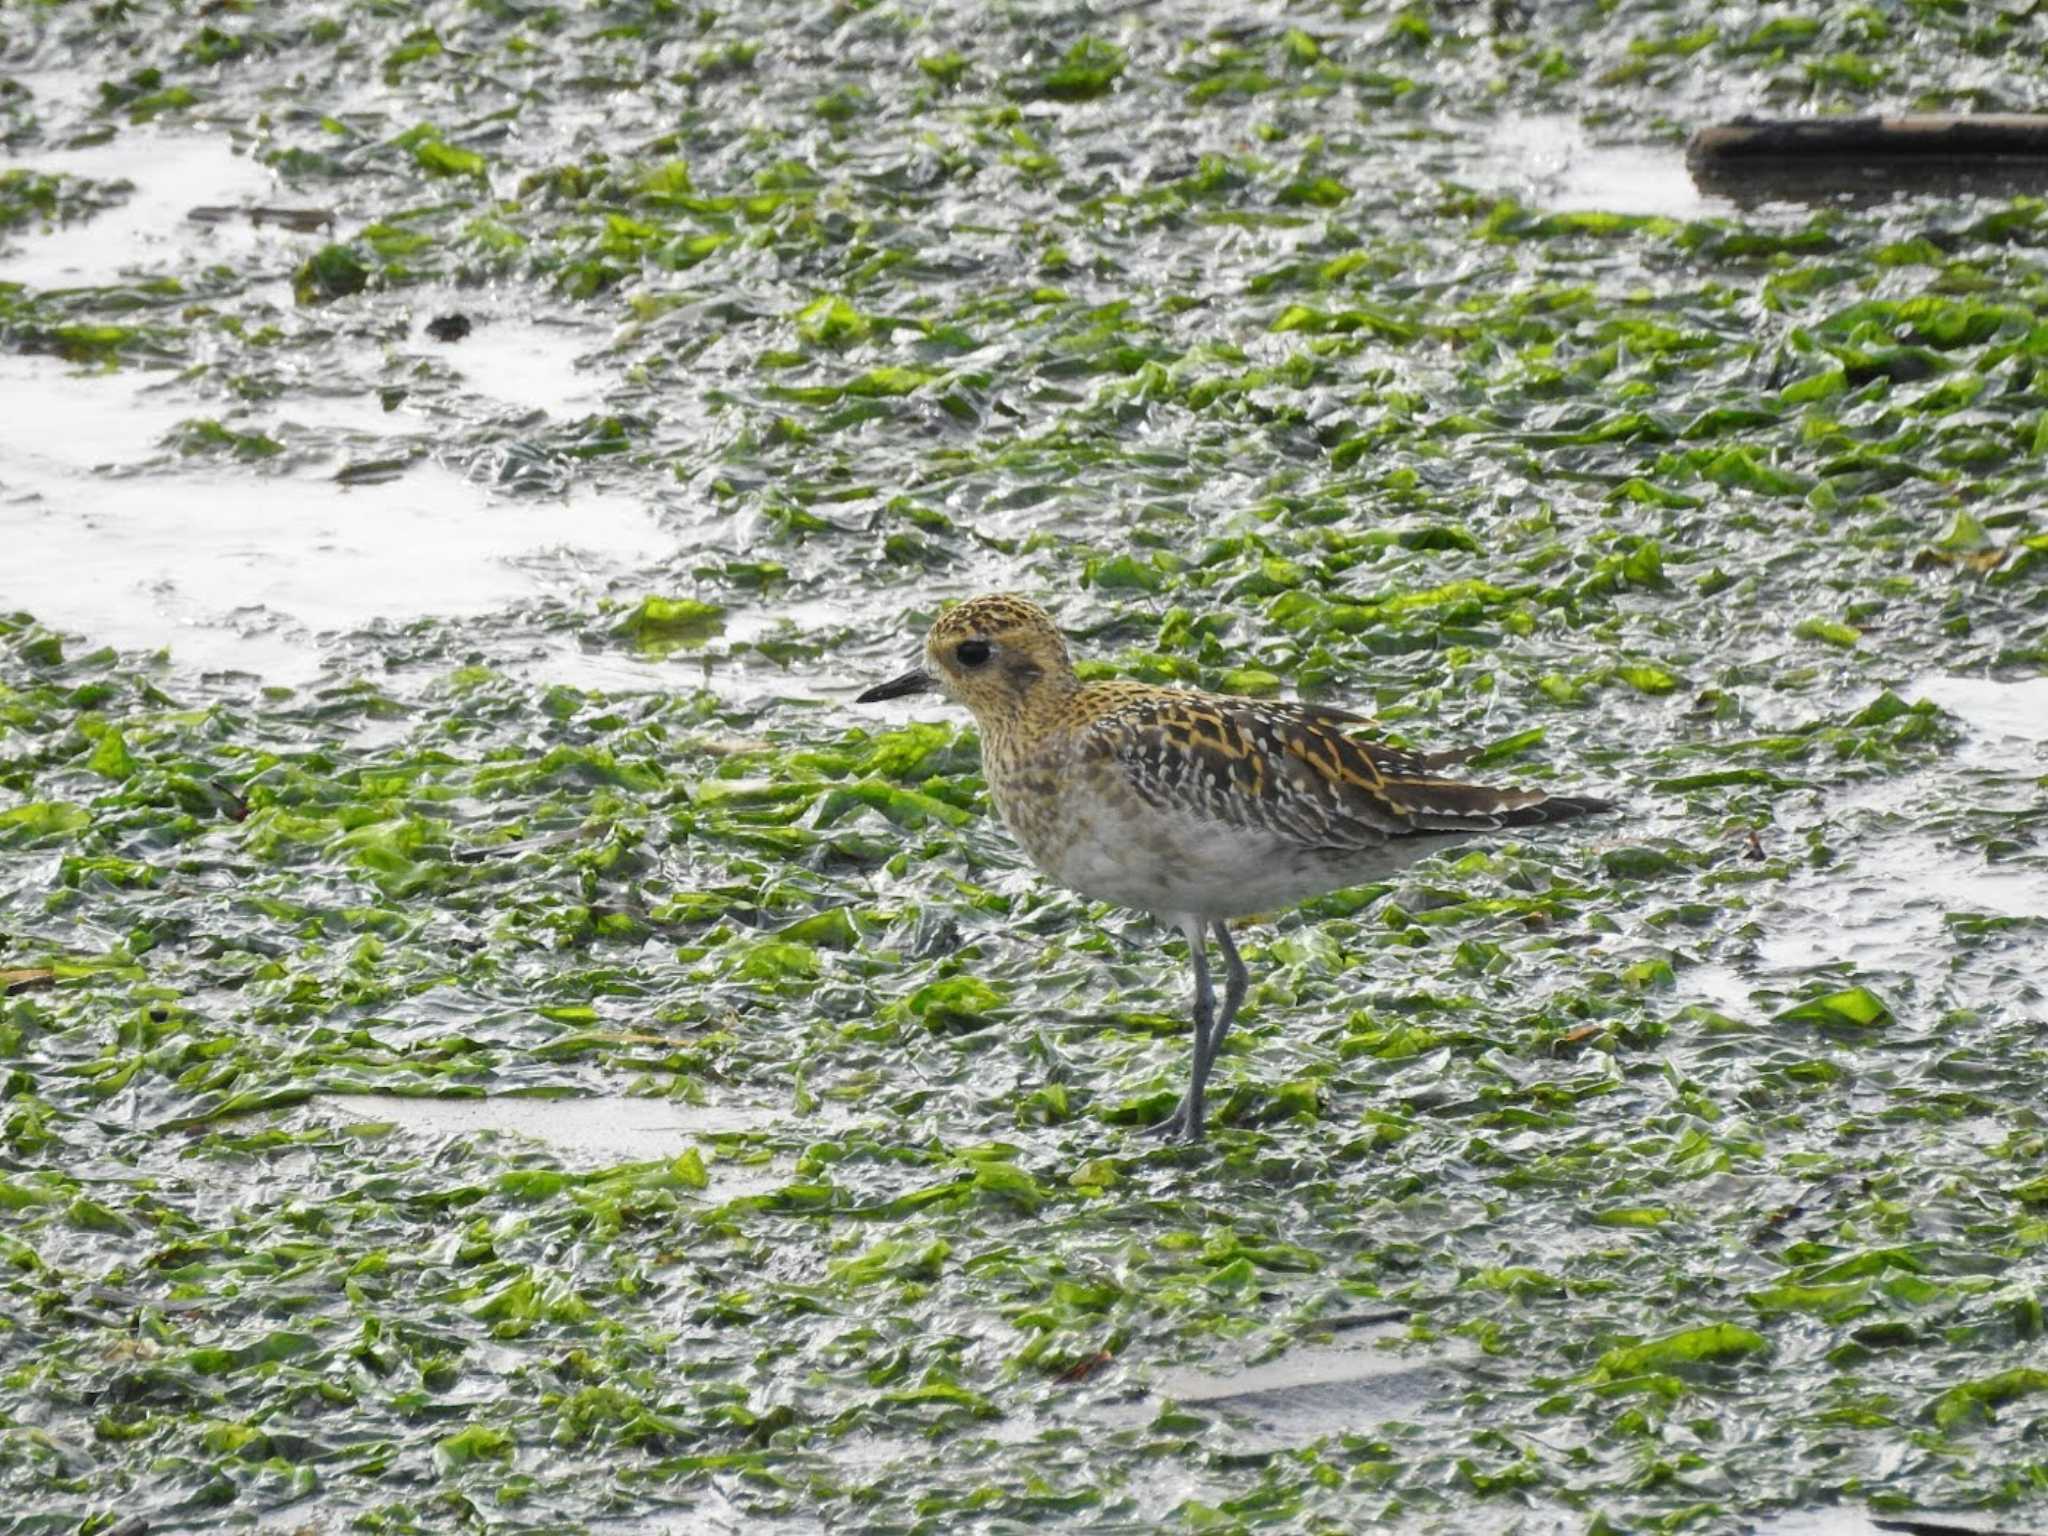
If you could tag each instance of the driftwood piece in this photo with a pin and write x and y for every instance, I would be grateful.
(2002, 136)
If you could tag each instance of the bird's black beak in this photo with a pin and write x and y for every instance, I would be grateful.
(916, 680)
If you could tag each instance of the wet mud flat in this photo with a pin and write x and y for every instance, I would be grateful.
(490, 1037)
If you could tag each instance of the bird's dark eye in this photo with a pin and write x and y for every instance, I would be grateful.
(973, 653)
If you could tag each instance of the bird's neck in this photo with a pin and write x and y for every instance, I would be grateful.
(1029, 724)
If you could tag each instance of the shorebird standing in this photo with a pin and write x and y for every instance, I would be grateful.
(1195, 807)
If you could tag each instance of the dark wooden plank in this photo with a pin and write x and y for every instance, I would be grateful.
(1991, 135)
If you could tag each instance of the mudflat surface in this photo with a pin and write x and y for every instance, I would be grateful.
(491, 1038)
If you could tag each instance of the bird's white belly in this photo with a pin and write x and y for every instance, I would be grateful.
(1130, 852)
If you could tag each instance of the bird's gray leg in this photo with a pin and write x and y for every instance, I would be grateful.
(1234, 983)
(1186, 1120)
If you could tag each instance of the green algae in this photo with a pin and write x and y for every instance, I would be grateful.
(1215, 333)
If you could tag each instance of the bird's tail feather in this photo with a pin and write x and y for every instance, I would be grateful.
(1556, 808)
(1494, 809)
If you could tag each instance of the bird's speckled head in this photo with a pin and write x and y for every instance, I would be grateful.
(1001, 656)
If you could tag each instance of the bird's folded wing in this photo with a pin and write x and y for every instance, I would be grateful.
(1289, 769)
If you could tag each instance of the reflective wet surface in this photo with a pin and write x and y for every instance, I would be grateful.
(494, 1037)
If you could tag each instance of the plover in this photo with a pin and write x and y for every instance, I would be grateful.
(1195, 807)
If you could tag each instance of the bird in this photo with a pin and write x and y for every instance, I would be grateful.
(1195, 807)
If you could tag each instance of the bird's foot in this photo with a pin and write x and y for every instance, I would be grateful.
(1178, 1126)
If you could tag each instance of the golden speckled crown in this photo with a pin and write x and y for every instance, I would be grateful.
(991, 614)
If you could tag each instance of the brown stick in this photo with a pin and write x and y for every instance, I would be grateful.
(2002, 135)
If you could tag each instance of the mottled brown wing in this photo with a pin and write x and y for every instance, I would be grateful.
(1341, 721)
(1293, 770)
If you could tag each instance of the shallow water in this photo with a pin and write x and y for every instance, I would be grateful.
(231, 571)
(1996, 712)
(483, 1045)
(151, 229)
(1553, 162)
(585, 1132)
